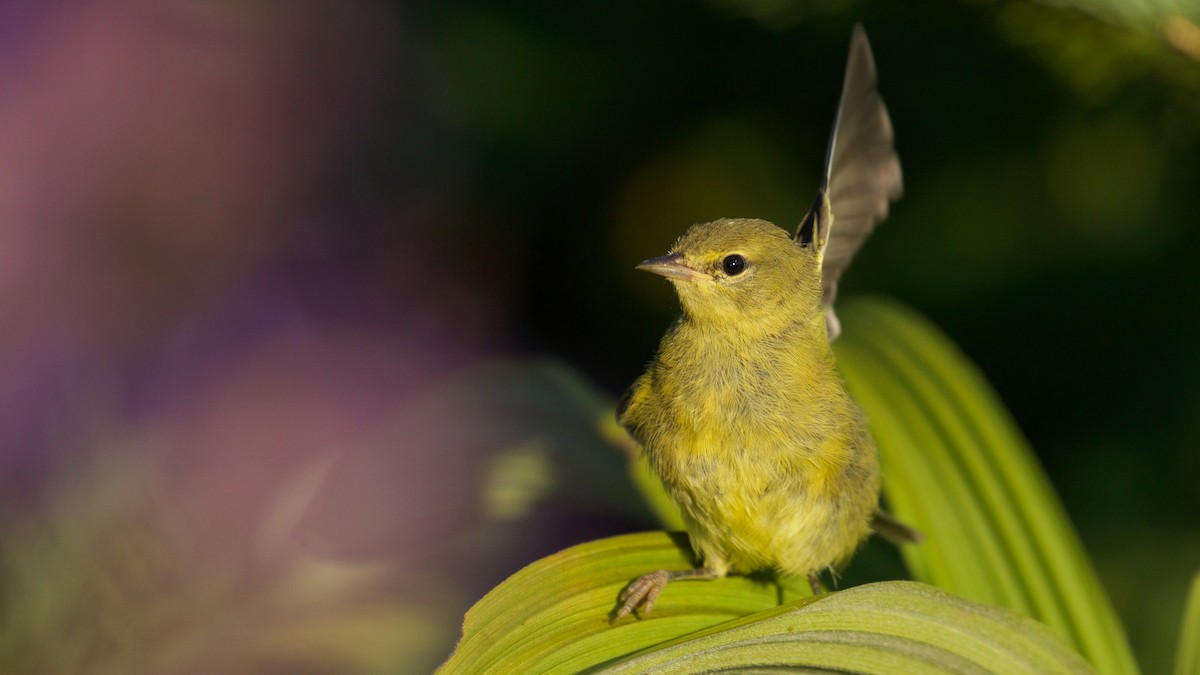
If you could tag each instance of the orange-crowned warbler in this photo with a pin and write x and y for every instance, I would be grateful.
(741, 413)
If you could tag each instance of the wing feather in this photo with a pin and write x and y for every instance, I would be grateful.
(862, 174)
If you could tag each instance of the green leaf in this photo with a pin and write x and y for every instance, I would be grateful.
(896, 626)
(956, 467)
(553, 617)
(1187, 660)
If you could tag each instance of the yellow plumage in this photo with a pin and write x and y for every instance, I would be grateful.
(741, 413)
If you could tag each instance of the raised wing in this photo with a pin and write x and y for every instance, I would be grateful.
(862, 174)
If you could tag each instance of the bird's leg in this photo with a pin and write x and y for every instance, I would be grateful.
(643, 591)
(814, 580)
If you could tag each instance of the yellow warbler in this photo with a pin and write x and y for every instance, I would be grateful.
(741, 412)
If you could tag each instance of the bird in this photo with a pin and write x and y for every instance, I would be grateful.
(741, 412)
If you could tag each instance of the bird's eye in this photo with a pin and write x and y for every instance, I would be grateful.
(734, 264)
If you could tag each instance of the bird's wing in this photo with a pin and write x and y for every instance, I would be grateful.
(862, 173)
(632, 398)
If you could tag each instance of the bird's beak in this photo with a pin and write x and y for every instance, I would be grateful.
(672, 267)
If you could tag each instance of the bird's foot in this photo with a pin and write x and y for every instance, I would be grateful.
(642, 592)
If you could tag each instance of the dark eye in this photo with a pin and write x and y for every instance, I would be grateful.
(734, 264)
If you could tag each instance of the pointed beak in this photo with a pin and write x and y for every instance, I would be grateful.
(672, 267)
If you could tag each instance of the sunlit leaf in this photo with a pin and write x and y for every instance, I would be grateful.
(956, 467)
(1187, 661)
(897, 626)
(553, 617)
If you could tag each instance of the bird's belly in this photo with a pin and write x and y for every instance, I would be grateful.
(751, 505)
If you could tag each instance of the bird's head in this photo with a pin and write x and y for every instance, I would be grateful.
(742, 271)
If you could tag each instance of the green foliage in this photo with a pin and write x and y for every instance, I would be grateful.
(552, 617)
(957, 468)
(1187, 662)
(880, 627)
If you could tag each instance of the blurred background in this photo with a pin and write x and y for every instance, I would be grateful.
(313, 313)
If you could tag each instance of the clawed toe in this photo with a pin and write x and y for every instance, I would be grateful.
(642, 593)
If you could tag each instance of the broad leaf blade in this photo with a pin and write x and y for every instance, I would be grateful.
(553, 616)
(957, 468)
(885, 627)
